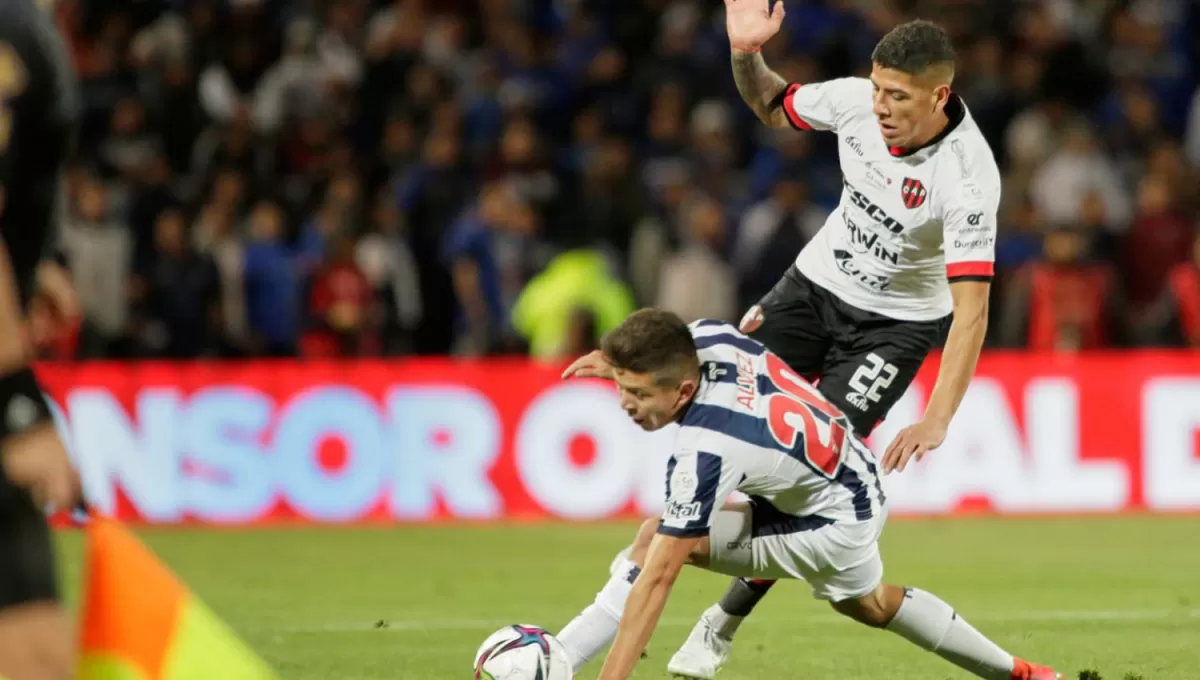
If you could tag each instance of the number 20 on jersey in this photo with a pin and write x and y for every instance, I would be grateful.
(799, 401)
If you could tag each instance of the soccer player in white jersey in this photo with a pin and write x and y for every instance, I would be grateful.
(749, 423)
(909, 247)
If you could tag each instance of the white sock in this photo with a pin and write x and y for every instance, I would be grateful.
(724, 623)
(596, 626)
(931, 624)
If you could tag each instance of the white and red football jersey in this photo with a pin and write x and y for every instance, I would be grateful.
(909, 220)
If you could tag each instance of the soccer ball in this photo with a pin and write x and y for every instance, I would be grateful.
(521, 652)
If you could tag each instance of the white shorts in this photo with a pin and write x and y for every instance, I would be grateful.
(840, 560)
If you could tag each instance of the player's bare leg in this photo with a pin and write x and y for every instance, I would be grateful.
(35, 642)
(594, 629)
(925, 620)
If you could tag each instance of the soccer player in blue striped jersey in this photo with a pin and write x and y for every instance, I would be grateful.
(816, 508)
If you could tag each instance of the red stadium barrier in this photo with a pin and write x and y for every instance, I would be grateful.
(416, 440)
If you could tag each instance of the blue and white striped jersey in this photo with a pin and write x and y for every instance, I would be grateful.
(757, 427)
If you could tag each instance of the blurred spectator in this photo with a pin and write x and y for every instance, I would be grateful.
(385, 258)
(150, 191)
(339, 45)
(489, 250)
(1035, 132)
(1020, 242)
(296, 82)
(230, 146)
(771, 234)
(166, 39)
(714, 149)
(523, 166)
(1160, 238)
(1066, 303)
(792, 155)
(654, 235)
(574, 294)
(665, 144)
(605, 205)
(1192, 141)
(582, 335)
(696, 282)
(130, 144)
(227, 87)
(174, 96)
(399, 148)
(341, 307)
(214, 234)
(1079, 168)
(1179, 307)
(99, 251)
(337, 216)
(176, 295)
(1133, 129)
(272, 284)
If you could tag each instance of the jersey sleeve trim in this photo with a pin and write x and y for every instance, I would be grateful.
(789, 109)
(695, 532)
(958, 270)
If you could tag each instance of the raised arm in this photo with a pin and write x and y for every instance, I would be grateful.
(760, 87)
(750, 24)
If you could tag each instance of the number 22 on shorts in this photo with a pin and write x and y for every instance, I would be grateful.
(799, 399)
(880, 374)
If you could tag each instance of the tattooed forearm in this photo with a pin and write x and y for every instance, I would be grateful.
(760, 87)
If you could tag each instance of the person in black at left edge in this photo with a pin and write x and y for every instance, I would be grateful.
(38, 108)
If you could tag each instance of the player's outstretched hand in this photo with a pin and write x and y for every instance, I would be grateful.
(592, 365)
(751, 23)
(912, 442)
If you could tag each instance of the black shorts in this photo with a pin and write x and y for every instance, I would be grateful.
(27, 572)
(861, 361)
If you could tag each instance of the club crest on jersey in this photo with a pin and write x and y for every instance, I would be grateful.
(752, 320)
(914, 193)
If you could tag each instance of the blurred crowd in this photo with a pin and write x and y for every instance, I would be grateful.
(350, 178)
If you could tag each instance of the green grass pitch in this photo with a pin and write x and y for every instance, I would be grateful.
(1117, 595)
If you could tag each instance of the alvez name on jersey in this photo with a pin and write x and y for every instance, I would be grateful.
(757, 427)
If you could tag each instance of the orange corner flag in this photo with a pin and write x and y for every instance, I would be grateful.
(140, 623)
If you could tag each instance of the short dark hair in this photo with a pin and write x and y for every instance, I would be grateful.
(915, 47)
(652, 341)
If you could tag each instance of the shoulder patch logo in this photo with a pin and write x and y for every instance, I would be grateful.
(970, 192)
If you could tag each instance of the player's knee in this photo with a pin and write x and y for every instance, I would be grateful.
(874, 609)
